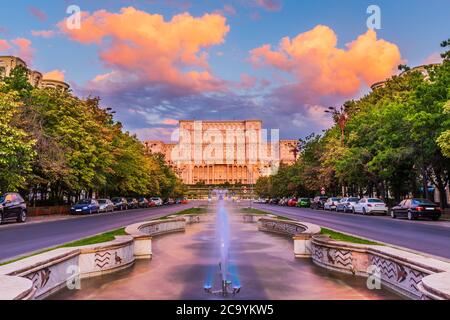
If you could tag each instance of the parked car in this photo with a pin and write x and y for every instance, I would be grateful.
(318, 202)
(158, 201)
(331, 203)
(105, 205)
(370, 206)
(120, 203)
(12, 207)
(85, 206)
(304, 203)
(416, 208)
(283, 202)
(133, 203)
(184, 201)
(169, 201)
(143, 203)
(274, 201)
(347, 204)
(292, 202)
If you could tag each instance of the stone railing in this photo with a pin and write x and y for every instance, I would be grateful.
(436, 286)
(412, 275)
(39, 276)
(409, 274)
(143, 232)
(48, 272)
(189, 218)
(301, 232)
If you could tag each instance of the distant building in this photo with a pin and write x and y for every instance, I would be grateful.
(204, 152)
(422, 69)
(35, 78)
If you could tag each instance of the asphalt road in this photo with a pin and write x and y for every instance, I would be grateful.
(425, 236)
(21, 239)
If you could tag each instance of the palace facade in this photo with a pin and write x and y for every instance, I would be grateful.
(217, 152)
(35, 78)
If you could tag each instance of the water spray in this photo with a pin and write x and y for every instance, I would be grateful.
(230, 283)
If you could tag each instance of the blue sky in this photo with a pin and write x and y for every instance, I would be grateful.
(415, 27)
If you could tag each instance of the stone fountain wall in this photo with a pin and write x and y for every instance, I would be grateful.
(39, 276)
(412, 275)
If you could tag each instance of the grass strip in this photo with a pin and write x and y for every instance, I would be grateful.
(346, 238)
(257, 211)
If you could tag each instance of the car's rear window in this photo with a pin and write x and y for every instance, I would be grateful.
(353, 199)
(422, 201)
(335, 199)
(375, 201)
(102, 201)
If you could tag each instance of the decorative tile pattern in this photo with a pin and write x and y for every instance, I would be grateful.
(399, 275)
(40, 278)
(281, 227)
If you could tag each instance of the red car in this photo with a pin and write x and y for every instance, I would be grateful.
(292, 202)
(184, 201)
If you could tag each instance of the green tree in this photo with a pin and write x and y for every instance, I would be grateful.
(16, 146)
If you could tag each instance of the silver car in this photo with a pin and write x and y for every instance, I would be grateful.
(106, 205)
(347, 204)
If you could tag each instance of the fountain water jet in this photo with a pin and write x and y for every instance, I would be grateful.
(229, 278)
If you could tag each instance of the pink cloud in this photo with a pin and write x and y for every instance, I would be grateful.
(227, 9)
(43, 33)
(270, 5)
(319, 68)
(4, 45)
(155, 51)
(19, 47)
(433, 58)
(171, 122)
(24, 49)
(37, 13)
(247, 81)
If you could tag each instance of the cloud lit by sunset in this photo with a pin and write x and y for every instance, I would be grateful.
(320, 67)
(156, 50)
(229, 60)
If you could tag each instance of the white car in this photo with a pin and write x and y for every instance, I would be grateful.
(158, 201)
(106, 205)
(370, 206)
(347, 204)
(331, 203)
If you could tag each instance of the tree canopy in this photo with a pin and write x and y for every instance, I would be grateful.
(396, 142)
(58, 146)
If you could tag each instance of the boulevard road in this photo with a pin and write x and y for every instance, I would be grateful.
(425, 236)
(21, 239)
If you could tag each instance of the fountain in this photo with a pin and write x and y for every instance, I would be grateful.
(230, 283)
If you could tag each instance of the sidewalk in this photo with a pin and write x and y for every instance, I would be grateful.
(55, 217)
